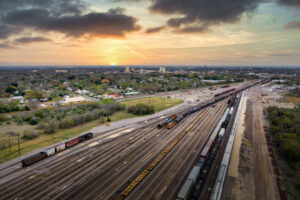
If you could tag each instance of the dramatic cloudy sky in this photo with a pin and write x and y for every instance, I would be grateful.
(150, 32)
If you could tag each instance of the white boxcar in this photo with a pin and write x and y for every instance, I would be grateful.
(60, 147)
(50, 151)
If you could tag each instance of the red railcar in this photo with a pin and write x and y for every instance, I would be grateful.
(221, 93)
(72, 142)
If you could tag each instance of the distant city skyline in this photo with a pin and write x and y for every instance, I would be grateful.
(150, 32)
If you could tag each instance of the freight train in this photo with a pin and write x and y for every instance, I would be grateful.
(221, 93)
(174, 119)
(197, 176)
(167, 121)
(194, 183)
(55, 149)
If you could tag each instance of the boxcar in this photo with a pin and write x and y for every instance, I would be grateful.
(72, 142)
(33, 159)
(50, 151)
(60, 147)
(184, 193)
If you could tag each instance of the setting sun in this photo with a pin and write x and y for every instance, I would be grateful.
(113, 63)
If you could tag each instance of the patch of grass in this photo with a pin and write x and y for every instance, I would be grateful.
(122, 115)
(291, 99)
(159, 103)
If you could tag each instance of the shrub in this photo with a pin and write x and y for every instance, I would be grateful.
(19, 121)
(3, 118)
(33, 122)
(141, 109)
(39, 114)
(29, 135)
(50, 128)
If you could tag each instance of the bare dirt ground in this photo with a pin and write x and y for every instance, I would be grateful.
(254, 177)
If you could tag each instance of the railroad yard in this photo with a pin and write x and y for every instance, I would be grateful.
(137, 161)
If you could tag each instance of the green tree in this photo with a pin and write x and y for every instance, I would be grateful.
(10, 89)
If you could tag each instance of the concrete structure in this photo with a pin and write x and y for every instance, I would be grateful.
(162, 70)
(61, 71)
(127, 69)
(113, 96)
(78, 99)
(81, 92)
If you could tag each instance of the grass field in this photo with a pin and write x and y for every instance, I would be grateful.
(159, 103)
(291, 99)
(46, 140)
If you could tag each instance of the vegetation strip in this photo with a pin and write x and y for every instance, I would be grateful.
(31, 139)
(285, 131)
(139, 178)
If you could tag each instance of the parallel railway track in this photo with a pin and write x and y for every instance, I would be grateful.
(101, 171)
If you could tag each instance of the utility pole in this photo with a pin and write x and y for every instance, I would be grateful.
(9, 143)
(11, 133)
(19, 144)
(149, 98)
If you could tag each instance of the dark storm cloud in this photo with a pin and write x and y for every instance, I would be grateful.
(194, 29)
(6, 30)
(154, 29)
(26, 40)
(56, 7)
(204, 12)
(111, 23)
(70, 17)
(293, 25)
(197, 16)
(292, 3)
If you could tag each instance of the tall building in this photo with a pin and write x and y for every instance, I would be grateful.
(132, 70)
(162, 70)
(127, 69)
